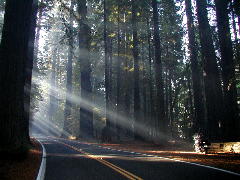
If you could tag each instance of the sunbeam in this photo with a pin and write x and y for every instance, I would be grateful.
(114, 117)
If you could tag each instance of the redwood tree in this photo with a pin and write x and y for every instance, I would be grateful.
(68, 105)
(195, 69)
(16, 54)
(231, 124)
(161, 123)
(213, 92)
(137, 130)
(86, 113)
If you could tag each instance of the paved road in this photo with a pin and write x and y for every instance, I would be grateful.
(74, 160)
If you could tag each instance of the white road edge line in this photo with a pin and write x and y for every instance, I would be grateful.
(201, 165)
(191, 163)
(42, 169)
(196, 164)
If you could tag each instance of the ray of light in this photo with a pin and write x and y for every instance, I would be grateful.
(119, 119)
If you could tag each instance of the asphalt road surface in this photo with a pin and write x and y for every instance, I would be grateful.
(74, 160)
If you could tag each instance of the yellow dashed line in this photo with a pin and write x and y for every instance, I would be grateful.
(112, 166)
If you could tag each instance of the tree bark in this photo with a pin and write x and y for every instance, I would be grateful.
(68, 104)
(198, 121)
(15, 59)
(150, 81)
(213, 91)
(128, 92)
(160, 109)
(86, 111)
(230, 123)
(118, 124)
(144, 120)
(137, 125)
(193, 128)
(106, 55)
(29, 67)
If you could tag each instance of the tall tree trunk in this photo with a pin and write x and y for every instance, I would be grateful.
(118, 124)
(171, 102)
(150, 80)
(144, 120)
(236, 43)
(166, 82)
(231, 121)
(214, 100)
(193, 128)
(68, 104)
(168, 79)
(86, 110)
(127, 97)
(111, 103)
(198, 121)
(161, 120)
(110, 73)
(15, 54)
(29, 67)
(106, 55)
(137, 125)
(38, 20)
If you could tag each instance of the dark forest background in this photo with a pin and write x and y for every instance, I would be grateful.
(119, 70)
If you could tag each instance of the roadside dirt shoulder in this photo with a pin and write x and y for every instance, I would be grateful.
(22, 169)
(227, 161)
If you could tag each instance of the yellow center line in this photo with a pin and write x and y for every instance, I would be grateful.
(112, 166)
(126, 172)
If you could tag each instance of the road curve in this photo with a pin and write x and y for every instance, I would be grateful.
(75, 160)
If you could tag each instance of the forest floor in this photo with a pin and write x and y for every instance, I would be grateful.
(184, 152)
(22, 168)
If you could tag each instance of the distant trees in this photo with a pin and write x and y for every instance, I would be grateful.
(177, 101)
(16, 53)
(128, 70)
